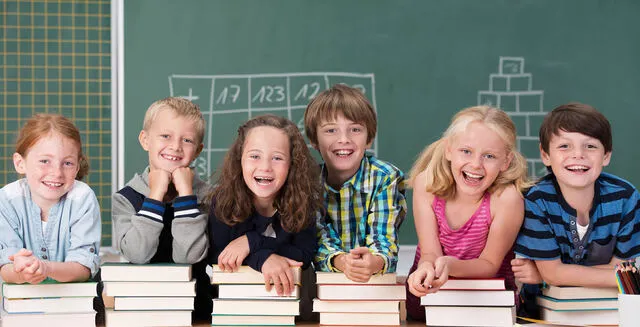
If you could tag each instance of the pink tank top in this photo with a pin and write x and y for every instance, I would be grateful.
(468, 241)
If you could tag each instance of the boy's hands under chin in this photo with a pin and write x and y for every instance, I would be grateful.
(159, 181)
(183, 180)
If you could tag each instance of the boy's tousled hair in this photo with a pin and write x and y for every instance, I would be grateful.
(339, 99)
(181, 107)
(439, 177)
(576, 117)
(41, 125)
(298, 200)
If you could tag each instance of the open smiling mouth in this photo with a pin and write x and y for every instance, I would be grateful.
(170, 157)
(263, 180)
(343, 153)
(471, 177)
(53, 184)
(577, 168)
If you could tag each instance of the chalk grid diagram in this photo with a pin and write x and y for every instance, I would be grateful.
(511, 90)
(227, 101)
(56, 58)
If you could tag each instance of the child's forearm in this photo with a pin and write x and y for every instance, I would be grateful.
(576, 275)
(10, 276)
(473, 268)
(67, 271)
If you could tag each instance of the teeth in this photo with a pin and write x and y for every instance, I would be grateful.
(52, 184)
(473, 175)
(263, 180)
(172, 158)
(577, 167)
(343, 152)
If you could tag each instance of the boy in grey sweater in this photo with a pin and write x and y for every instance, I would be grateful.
(159, 216)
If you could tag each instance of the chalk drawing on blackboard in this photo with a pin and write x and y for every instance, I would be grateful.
(227, 101)
(511, 89)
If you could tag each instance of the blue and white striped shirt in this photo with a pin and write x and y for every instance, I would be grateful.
(550, 231)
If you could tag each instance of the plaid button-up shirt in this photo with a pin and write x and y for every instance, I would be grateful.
(366, 211)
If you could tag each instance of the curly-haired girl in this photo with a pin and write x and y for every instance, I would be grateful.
(265, 201)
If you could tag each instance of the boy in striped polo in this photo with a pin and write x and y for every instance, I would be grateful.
(158, 217)
(364, 196)
(579, 221)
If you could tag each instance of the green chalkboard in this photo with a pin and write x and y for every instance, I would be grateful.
(56, 58)
(418, 61)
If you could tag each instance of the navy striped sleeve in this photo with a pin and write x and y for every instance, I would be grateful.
(186, 206)
(152, 209)
(536, 239)
(628, 238)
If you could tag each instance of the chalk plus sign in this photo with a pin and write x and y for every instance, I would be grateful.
(190, 97)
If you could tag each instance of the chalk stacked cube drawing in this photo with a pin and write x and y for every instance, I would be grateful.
(511, 89)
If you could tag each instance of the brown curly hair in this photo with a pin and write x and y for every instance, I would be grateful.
(300, 197)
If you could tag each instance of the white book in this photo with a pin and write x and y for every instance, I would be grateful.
(474, 284)
(355, 306)
(246, 275)
(150, 288)
(49, 305)
(147, 318)
(251, 320)
(256, 307)
(84, 319)
(239, 291)
(341, 278)
(581, 317)
(151, 272)
(469, 298)
(575, 292)
(359, 319)
(49, 289)
(579, 304)
(361, 292)
(470, 316)
(153, 303)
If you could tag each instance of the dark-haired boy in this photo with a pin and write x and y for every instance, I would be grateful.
(579, 221)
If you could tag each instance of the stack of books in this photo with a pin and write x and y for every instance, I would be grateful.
(470, 302)
(48, 304)
(148, 295)
(344, 302)
(579, 305)
(244, 301)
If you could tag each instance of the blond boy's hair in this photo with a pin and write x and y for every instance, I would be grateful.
(181, 107)
(343, 99)
(440, 180)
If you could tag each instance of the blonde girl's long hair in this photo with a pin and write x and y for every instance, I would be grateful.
(439, 178)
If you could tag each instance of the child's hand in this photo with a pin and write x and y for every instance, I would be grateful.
(183, 180)
(159, 181)
(441, 270)
(22, 259)
(525, 271)
(277, 269)
(428, 277)
(234, 254)
(36, 272)
(360, 264)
